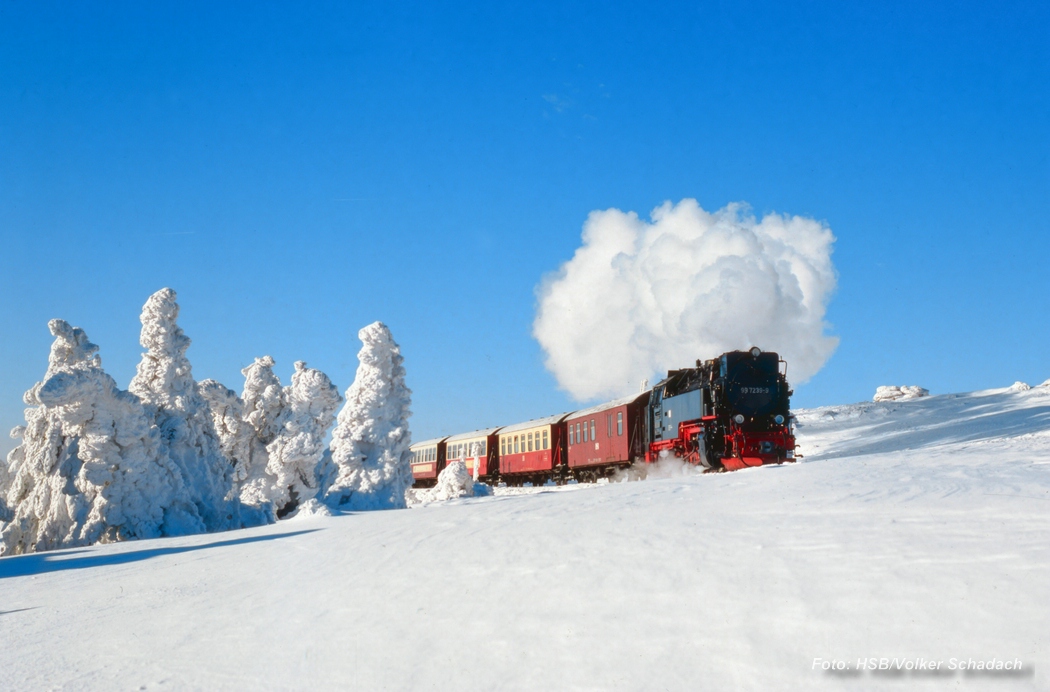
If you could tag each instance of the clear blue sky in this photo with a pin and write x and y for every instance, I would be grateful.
(296, 172)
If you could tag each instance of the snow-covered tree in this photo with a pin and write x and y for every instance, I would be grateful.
(91, 465)
(264, 404)
(274, 435)
(371, 439)
(235, 434)
(164, 382)
(296, 450)
(453, 481)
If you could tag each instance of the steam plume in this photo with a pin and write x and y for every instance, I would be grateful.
(639, 298)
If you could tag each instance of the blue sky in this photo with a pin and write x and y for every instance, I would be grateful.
(298, 172)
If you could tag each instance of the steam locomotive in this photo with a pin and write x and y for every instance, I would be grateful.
(725, 414)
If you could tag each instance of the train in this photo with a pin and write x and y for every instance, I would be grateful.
(724, 414)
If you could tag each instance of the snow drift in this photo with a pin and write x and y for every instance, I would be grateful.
(909, 530)
(639, 298)
(894, 393)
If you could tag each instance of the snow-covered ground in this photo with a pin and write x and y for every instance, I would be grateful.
(911, 530)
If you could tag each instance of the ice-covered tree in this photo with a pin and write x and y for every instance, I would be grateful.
(235, 434)
(165, 383)
(91, 465)
(294, 454)
(264, 404)
(371, 439)
(453, 481)
(274, 435)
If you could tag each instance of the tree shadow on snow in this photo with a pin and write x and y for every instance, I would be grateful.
(42, 563)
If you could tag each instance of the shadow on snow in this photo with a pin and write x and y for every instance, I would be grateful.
(42, 563)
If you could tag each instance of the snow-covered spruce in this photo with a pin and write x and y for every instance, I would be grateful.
(227, 415)
(164, 382)
(91, 466)
(274, 436)
(296, 451)
(453, 481)
(264, 403)
(370, 442)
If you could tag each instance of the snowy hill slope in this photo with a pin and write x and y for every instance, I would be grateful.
(910, 530)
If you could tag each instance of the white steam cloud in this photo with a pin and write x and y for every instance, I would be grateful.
(640, 298)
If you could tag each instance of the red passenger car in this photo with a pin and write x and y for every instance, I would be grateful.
(533, 451)
(428, 459)
(478, 446)
(607, 437)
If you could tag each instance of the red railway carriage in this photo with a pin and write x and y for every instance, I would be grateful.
(428, 459)
(533, 450)
(606, 437)
(478, 446)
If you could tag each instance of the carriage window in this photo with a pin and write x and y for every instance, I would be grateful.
(530, 442)
(608, 424)
(484, 444)
(515, 444)
(572, 437)
(593, 435)
(585, 438)
(503, 446)
(545, 439)
(619, 423)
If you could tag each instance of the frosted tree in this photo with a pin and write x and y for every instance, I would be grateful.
(235, 434)
(264, 404)
(274, 435)
(164, 382)
(91, 466)
(371, 439)
(453, 481)
(296, 451)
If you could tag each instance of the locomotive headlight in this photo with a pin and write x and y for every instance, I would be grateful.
(755, 351)
(778, 419)
(739, 419)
